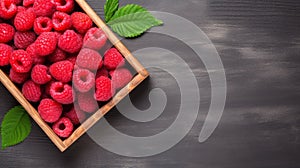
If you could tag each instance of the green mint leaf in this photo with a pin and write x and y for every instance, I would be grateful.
(110, 7)
(132, 20)
(15, 127)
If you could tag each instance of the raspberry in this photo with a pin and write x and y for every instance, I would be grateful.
(61, 93)
(21, 61)
(50, 110)
(113, 59)
(75, 115)
(5, 54)
(8, 9)
(40, 75)
(83, 80)
(7, 32)
(42, 24)
(94, 38)
(104, 89)
(61, 21)
(63, 127)
(18, 78)
(43, 7)
(70, 42)
(89, 59)
(21, 9)
(28, 3)
(46, 43)
(120, 77)
(62, 71)
(31, 91)
(81, 22)
(35, 57)
(57, 55)
(102, 72)
(24, 20)
(64, 5)
(87, 102)
(23, 39)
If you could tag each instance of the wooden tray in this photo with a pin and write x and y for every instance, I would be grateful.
(64, 144)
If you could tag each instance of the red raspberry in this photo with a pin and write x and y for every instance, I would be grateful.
(83, 80)
(40, 75)
(64, 5)
(21, 9)
(43, 7)
(81, 22)
(89, 59)
(63, 127)
(50, 110)
(61, 21)
(57, 55)
(8, 9)
(75, 115)
(42, 24)
(23, 39)
(120, 77)
(24, 20)
(102, 72)
(21, 61)
(113, 59)
(18, 78)
(7, 32)
(5, 54)
(62, 71)
(104, 89)
(94, 38)
(61, 93)
(32, 91)
(46, 43)
(70, 42)
(35, 57)
(28, 3)
(87, 102)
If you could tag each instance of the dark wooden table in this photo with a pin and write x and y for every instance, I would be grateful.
(259, 44)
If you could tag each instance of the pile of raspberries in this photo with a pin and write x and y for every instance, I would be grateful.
(54, 56)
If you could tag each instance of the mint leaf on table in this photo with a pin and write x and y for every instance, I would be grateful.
(15, 127)
(132, 20)
(110, 7)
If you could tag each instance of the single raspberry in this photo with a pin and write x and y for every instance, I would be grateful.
(21, 61)
(24, 20)
(18, 78)
(28, 3)
(42, 24)
(75, 115)
(63, 127)
(120, 77)
(102, 72)
(83, 80)
(5, 54)
(104, 89)
(57, 55)
(35, 57)
(46, 43)
(21, 9)
(66, 6)
(62, 71)
(89, 59)
(70, 42)
(23, 39)
(43, 7)
(87, 102)
(61, 21)
(40, 75)
(113, 59)
(31, 91)
(94, 38)
(81, 22)
(8, 9)
(62, 93)
(7, 32)
(49, 110)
